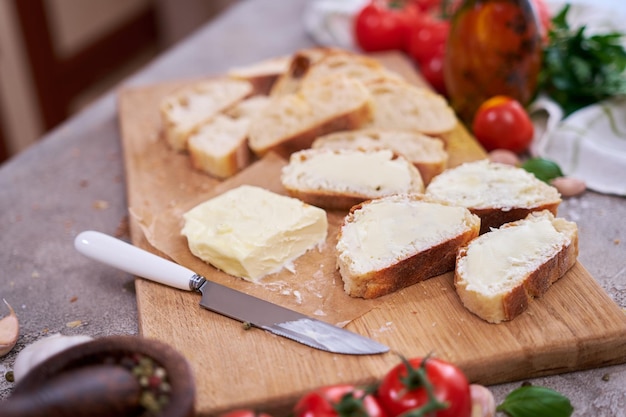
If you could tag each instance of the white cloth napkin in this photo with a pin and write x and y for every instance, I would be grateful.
(589, 144)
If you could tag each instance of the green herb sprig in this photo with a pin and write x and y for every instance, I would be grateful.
(579, 70)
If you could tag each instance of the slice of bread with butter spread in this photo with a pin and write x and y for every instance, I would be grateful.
(427, 153)
(250, 232)
(496, 192)
(499, 273)
(392, 242)
(338, 179)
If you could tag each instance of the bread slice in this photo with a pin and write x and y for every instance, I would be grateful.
(390, 243)
(184, 110)
(262, 74)
(427, 153)
(499, 273)
(403, 106)
(496, 192)
(338, 179)
(291, 122)
(289, 81)
(250, 232)
(356, 66)
(219, 147)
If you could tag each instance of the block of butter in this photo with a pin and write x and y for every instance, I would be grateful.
(250, 232)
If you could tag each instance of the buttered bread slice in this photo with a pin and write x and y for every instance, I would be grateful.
(341, 178)
(500, 272)
(250, 232)
(392, 242)
(427, 153)
(497, 193)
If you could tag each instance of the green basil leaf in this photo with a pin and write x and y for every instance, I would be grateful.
(532, 401)
(544, 169)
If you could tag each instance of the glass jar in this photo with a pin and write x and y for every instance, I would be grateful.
(494, 48)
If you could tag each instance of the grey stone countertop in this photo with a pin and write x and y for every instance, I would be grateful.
(73, 180)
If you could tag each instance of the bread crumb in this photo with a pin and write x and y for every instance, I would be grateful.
(100, 205)
(74, 324)
(616, 241)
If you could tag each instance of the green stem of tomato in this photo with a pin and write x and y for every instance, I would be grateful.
(418, 378)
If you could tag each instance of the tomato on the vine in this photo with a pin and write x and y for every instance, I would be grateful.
(428, 385)
(338, 401)
(382, 25)
(501, 122)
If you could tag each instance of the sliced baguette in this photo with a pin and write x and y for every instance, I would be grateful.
(338, 179)
(402, 106)
(499, 273)
(219, 147)
(186, 109)
(497, 193)
(262, 74)
(292, 122)
(355, 66)
(425, 152)
(289, 82)
(390, 243)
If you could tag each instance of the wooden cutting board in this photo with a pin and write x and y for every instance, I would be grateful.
(574, 326)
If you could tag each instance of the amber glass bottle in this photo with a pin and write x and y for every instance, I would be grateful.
(494, 48)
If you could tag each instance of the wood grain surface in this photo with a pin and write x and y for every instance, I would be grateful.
(574, 326)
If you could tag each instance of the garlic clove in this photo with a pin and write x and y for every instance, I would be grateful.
(9, 331)
(483, 402)
(37, 352)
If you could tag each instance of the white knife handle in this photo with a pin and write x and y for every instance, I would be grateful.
(131, 259)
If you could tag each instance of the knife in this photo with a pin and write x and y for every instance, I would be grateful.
(224, 300)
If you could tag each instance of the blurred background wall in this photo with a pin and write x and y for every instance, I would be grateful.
(58, 55)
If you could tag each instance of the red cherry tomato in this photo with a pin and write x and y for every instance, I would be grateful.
(427, 5)
(427, 38)
(338, 400)
(502, 123)
(382, 26)
(405, 387)
(432, 71)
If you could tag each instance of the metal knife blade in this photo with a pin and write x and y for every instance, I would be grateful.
(224, 300)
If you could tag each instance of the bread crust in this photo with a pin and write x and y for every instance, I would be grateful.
(506, 307)
(495, 217)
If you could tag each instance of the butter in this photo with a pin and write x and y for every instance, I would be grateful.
(346, 171)
(250, 232)
(394, 229)
(497, 259)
